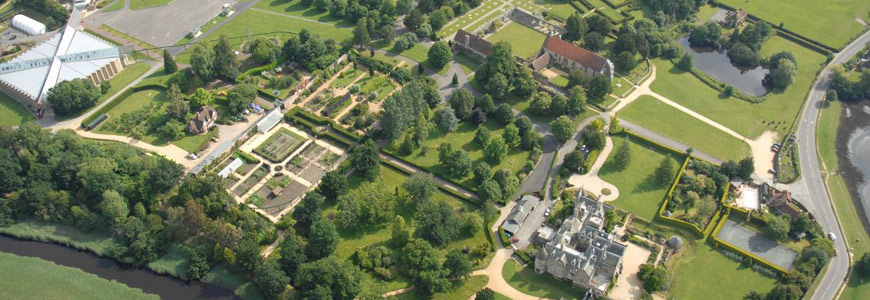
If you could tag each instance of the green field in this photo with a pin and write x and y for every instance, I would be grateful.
(140, 4)
(525, 280)
(638, 192)
(833, 22)
(118, 4)
(561, 9)
(295, 8)
(704, 273)
(853, 230)
(136, 101)
(661, 118)
(463, 137)
(704, 13)
(418, 53)
(750, 120)
(525, 41)
(465, 20)
(12, 113)
(34, 278)
(346, 78)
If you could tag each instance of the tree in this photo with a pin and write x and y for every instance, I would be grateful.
(226, 66)
(114, 207)
(654, 279)
(498, 86)
(70, 96)
(593, 41)
(401, 109)
(271, 280)
(501, 61)
(599, 24)
(563, 128)
(504, 114)
(169, 65)
(404, 6)
(459, 164)
(778, 227)
(485, 294)
(414, 19)
(333, 184)
(366, 160)
(240, 97)
(455, 80)
(524, 84)
(496, 150)
(559, 105)
(360, 33)
(262, 50)
(338, 8)
(573, 161)
(400, 232)
(783, 75)
(462, 102)
(742, 55)
(446, 119)
(292, 254)
(541, 104)
(437, 223)
(322, 240)
(746, 167)
(457, 265)
(172, 130)
(485, 103)
(420, 187)
(511, 135)
(482, 172)
(437, 19)
(478, 116)
(202, 62)
(489, 190)
(328, 279)
(177, 108)
(686, 63)
(706, 35)
(577, 101)
(575, 28)
(623, 156)
(308, 211)
(863, 265)
(481, 137)
(624, 61)
(202, 98)
(665, 172)
(439, 54)
(530, 140)
(599, 87)
(322, 5)
(10, 168)
(197, 266)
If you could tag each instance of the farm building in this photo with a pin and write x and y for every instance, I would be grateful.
(572, 58)
(28, 25)
(69, 54)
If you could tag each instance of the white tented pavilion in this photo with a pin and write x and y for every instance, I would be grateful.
(28, 25)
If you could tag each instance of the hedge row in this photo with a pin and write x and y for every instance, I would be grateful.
(674, 221)
(717, 242)
(806, 40)
(583, 3)
(118, 99)
(446, 190)
(505, 241)
(525, 257)
(247, 157)
(488, 232)
(614, 6)
(393, 154)
(305, 118)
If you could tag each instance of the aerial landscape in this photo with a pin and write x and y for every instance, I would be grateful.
(435, 149)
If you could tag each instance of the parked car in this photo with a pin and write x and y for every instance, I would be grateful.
(832, 236)
(547, 213)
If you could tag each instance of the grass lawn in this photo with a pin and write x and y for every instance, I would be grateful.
(136, 101)
(34, 278)
(654, 115)
(853, 230)
(463, 137)
(750, 120)
(539, 285)
(295, 8)
(128, 75)
(465, 20)
(193, 143)
(118, 4)
(12, 113)
(638, 192)
(560, 9)
(140, 4)
(700, 272)
(101, 244)
(705, 13)
(525, 41)
(346, 78)
(467, 63)
(458, 290)
(834, 20)
(418, 53)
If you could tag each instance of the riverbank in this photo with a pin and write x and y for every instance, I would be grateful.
(35, 278)
(855, 120)
(166, 266)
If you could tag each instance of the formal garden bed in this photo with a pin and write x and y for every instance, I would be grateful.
(698, 194)
(280, 145)
(252, 180)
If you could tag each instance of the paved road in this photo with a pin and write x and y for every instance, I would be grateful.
(818, 201)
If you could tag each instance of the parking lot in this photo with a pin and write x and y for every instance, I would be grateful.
(162, 25)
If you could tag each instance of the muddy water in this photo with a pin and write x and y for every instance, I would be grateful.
(717, 65)
(853, 149)
(152, 283)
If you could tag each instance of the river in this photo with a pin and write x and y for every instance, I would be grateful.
(717, 65)
(152, 283)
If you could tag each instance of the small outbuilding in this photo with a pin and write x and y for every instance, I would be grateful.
(675, 242)
(28, 25)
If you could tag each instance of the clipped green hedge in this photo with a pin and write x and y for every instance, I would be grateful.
(716, 242)
(486, 230)
(247, 157)
(505, 241)
(341, 135)
(578, 7)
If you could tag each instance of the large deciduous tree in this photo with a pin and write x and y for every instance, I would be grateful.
(70, 96)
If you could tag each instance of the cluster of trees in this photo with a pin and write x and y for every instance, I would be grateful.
(218, 62)
(590, 31)
(706, 35)
(436, 14)
(57, 14)
(667, 11)
(846, 87)
(743, 169)
(593, 137)
(310, 50)
(263, 51)
(554, 106)
(498, 72)
(404, 108)
(141, 200)
(374, 18)
(71, 96)
(654, 279)
(793, 286)
(745, 47)
(439, 55)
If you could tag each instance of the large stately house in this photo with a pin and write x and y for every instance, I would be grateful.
(570, 57)
(581, 251)
(69, 54)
